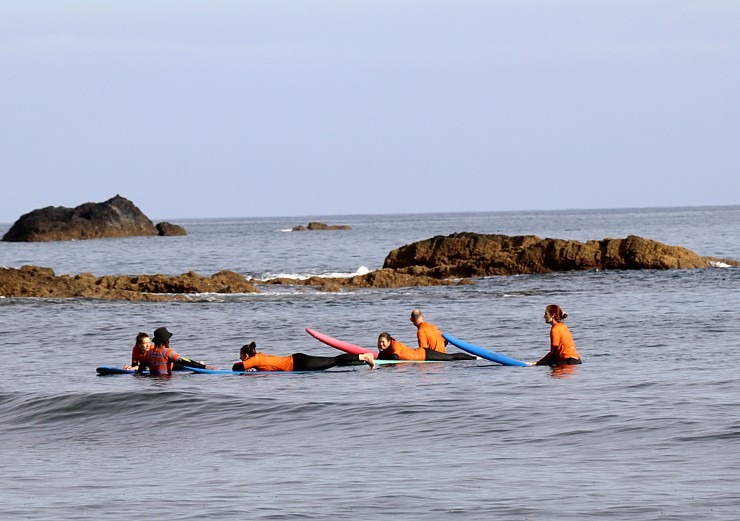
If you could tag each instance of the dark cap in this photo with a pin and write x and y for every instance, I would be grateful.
(160, 335)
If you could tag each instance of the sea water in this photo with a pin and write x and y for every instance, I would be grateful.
(647, 428)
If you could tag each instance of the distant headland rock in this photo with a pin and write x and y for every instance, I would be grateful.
(477, 255)
(314, 226)
(116, 217)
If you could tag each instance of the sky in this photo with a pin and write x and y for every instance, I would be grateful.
(200, 109)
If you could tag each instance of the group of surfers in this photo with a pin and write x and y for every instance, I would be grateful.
(154, 353)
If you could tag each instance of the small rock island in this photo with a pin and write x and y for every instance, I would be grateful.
(116, 217)
(314, 226)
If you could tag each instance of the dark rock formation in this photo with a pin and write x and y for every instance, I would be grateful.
(116, 217)
(476, 255)
(313, 226)
(437, 261)
(32, 281)
(166, 229)
(384, 278)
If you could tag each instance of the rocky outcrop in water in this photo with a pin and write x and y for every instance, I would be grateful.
(478, 255)
(166, 229)
(116, 217)
(314, 226)
(33, 281)
(450, 260)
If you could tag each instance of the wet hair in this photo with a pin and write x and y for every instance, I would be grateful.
(555, 312)
(386, 336)
(141, 336)
(248, 349)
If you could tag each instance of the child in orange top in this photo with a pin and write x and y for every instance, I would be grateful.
(251, 359)
(392, 349)
(138, 354)
(562, 347)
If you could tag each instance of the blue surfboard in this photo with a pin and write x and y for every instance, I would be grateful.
(493, 356)
(109, 369)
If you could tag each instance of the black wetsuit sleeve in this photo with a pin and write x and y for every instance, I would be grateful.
(187, 362)
(548, 359)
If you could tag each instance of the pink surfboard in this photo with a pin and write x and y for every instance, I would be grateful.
(339, 344)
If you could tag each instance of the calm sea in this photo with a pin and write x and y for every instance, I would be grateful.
(647, 428)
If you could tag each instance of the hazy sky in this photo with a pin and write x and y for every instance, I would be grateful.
(300, 107)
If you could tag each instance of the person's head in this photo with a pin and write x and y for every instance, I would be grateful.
(417, 317)
(143, 342)
(553, 313)
(161, 337)
(384, 341)
(248, 351)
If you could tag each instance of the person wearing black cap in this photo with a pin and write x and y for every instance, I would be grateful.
(160, 358)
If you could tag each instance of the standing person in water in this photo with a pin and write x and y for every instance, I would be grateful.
(161, 358)
(251, 359)
(392, 349)
(562, 347)
(138, 354)
(428, 334)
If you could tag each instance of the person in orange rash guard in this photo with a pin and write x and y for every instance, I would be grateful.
(392, 349)
(562, 347)
(252, 360)
(138, 354)
(161, 358)
(427, 333)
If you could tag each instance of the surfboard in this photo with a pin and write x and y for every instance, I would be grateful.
(107, 370)
(228, 371)
(110, 370)
(356, 350)
(339, 344)
(483, 352)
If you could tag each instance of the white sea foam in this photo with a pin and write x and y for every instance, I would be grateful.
(362, 270)
(717, 264)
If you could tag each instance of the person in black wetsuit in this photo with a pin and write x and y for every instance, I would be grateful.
(251, 359)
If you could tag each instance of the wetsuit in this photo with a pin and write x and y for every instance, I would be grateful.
(294, 362)
(400, 351)
(562, 347)
(429, 336)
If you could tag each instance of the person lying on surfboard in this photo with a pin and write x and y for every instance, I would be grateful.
(562, 347)
(427, 334)
(138, 354)
(252, 360)
(392, 349)
(161, 358)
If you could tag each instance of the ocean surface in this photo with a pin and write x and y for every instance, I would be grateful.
(647, 428)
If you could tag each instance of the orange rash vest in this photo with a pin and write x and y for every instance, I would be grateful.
(430, 337)
(137, 357)
(562, 345)
(263, 362)
(404, 352)
(160, 360)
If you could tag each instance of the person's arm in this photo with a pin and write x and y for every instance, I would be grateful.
(421, 337)
(187, 362)
(548, 359)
